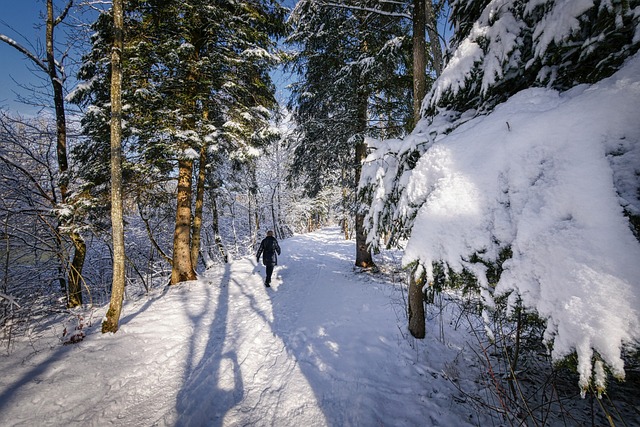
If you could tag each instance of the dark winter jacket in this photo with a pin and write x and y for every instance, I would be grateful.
(269, 246)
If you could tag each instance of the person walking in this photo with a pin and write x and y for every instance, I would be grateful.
(270, 249)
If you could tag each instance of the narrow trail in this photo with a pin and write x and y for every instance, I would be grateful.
(320, 347)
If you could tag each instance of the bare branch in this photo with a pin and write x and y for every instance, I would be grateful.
(64, 13)
(26, 52)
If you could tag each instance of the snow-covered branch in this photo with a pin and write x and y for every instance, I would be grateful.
(368, 9)
(39, 62)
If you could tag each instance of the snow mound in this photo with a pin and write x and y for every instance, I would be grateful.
(549, 176)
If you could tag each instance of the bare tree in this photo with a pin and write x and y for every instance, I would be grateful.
(55, 73)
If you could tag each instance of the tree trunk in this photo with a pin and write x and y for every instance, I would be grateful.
(197, 217)
(279, 229)
(215, 224)
(182, 269)
(434, 39)
(75, 271)
(416, 306)
(58, 101)
(363, 253)
(110, 323)
(80, 248)
(419, 58)
(345, 205)
(274, 220)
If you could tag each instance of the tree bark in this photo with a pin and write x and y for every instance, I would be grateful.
(363, 253)
(182, 269)
(416, 306)
(197, 216)
(215, 224)
(110, 323)
(419, 58)
(434, 38)
(274, 219)
(74, 298)
(80, 248)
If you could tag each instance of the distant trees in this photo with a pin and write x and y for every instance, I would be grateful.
(355, 65)
(34, 253)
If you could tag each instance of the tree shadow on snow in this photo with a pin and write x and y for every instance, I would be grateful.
(213, 386)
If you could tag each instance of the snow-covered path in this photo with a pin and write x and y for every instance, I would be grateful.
(322, 347)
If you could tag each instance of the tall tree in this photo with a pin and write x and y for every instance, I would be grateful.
(419, 56)
(110, 323)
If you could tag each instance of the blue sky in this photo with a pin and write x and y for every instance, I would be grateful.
(17, 21)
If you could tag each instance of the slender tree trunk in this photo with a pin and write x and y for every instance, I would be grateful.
(80, 248)
(215, 224)
(416, 306)
(419, 57)
(253, 194)
(58, 100)
(182, 269)
(363, 252)
(279, 229)
(273, 212)
(233, 226)
(75, 270)
(110, 323)
(434, 39)
(197, 216)
(345, 205)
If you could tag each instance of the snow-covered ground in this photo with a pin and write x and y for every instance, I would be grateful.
(325, 346)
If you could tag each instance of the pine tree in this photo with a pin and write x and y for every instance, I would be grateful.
(501, 48)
